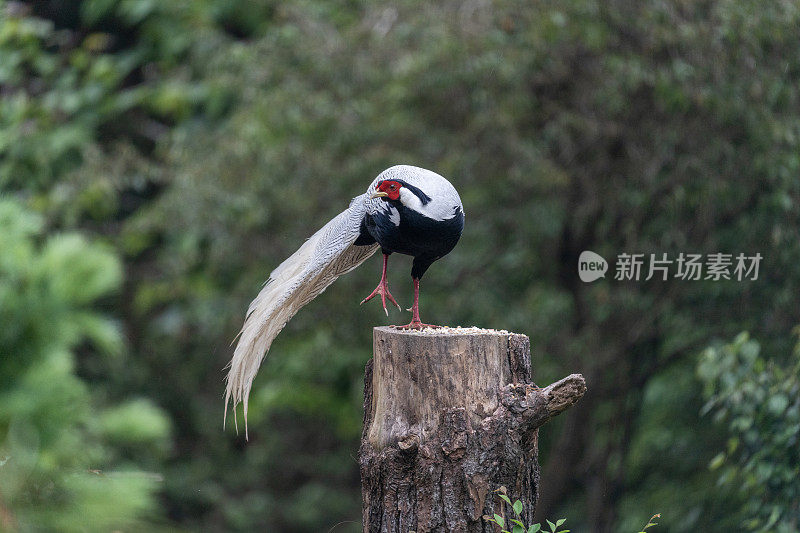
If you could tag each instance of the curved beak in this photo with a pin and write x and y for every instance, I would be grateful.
(378, 194)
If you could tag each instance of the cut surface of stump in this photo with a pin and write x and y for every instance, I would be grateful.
(450, 415)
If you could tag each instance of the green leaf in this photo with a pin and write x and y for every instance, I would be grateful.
(500, 520)
(552, 526)
(715, 463)
(518, 529)
(138, 421)
(777, 404)
(518, 507)
(515, 521)
(534, 528)
(505, 499)
(560, 521)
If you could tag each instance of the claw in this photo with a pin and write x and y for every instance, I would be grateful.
(416, 325)
(391, 299)
(383, 290)
(415, 321)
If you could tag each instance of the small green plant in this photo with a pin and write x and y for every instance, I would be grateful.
(652, 522)
(516, 524)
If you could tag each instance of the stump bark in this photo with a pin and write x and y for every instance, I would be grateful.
(449, 417)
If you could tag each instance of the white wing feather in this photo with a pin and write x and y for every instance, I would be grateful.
(325, 256)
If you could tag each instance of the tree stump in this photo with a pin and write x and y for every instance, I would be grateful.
(451, 415)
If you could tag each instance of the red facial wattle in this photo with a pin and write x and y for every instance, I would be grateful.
(391, 188)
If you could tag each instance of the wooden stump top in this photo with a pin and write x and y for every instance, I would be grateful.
(417, 374)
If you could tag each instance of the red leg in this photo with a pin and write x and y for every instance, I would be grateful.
(415, 321)
(383, 289)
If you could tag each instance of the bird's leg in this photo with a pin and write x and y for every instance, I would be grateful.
(383, 289)
(415, 321)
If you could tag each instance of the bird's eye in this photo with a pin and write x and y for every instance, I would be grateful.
(393, 186)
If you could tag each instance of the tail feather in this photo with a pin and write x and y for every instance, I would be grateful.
(325, 256)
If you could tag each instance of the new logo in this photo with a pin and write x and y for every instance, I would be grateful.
(591, 266)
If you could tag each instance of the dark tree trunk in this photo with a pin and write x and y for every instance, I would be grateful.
(449, 417)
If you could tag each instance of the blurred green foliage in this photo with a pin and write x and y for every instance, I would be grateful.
(53, 449)
(200, 141)
(759, 400)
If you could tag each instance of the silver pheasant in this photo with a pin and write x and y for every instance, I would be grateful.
(406, 209)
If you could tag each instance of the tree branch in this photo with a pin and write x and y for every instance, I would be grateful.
(533, 407)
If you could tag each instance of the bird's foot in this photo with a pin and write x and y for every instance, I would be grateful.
(383, 290)
(416, 324)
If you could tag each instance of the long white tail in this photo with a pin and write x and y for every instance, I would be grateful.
(325, 256)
